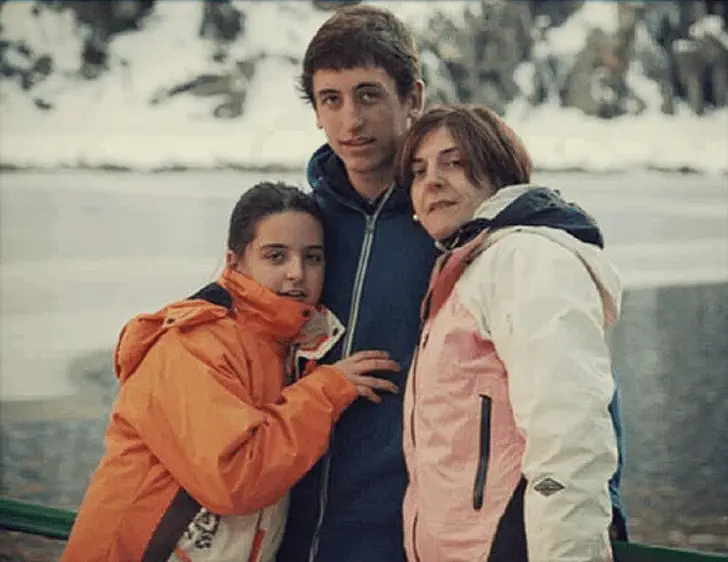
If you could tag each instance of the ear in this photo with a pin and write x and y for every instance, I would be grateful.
(232, 260)
(318, 121)
(417, 99)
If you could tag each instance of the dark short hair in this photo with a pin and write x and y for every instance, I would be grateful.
(359, 36)
(260, 201)
(490, 149)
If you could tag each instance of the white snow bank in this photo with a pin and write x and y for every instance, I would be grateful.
(110, 122)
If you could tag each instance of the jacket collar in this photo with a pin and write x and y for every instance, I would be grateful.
(314, 329)
(279, 316)
(527, 205)
(327, 176)
(493, 206)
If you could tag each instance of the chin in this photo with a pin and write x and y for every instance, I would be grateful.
(365, 164)
(439, 232)
(360, 166)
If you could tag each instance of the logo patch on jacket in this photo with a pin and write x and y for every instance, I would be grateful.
(548, 487)
(202, 529)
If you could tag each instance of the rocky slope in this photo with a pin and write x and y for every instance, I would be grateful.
(145, 84)
(493, 51)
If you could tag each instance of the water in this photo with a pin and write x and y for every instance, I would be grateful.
(81, 252)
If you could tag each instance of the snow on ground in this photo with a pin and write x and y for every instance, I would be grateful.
(109, 121)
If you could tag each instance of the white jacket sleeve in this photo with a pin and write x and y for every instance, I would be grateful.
(546, 319)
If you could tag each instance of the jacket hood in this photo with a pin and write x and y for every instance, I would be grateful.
(528, 205)
(328, 178)
(314, 330)
(528, 208)
(143, 331)
(600, 268)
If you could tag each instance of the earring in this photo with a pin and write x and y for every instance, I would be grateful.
(415, 218)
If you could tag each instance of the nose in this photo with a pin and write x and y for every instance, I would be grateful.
(353, 117)
(295, 270)
(433, 177)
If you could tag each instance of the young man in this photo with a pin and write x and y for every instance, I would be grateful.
(361, 75)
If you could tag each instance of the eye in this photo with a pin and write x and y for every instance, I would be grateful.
(369, 96)
(315, 258)
(417, 170)
(453, 162)
(329, 100)
(276, 257)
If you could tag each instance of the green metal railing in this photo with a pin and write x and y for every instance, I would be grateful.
(35, 519)
(638, 552)
(56, 523)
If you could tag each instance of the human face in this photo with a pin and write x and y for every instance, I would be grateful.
(286, 255)
(363, 118)
(442, 195)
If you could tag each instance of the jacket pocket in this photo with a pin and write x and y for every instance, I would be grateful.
(481, 472)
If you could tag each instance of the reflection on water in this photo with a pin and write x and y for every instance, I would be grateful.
(670, 355)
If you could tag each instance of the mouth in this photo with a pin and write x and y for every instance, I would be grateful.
(439, 205)
(358, 142)
(296, 294)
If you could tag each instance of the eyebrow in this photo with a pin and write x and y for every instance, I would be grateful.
(278, 246)
(362, 85)
(327, 92)
(357, 87)
(446, 152)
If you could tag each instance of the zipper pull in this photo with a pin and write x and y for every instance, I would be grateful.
(369, 226)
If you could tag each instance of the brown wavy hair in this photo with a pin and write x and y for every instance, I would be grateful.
(491, 150)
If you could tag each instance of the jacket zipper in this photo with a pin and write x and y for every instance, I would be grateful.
(361, 269)
(481, 472)
(424, 336)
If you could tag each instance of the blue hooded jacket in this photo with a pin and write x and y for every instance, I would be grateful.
(348, 508)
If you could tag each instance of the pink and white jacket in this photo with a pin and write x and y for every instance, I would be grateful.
(508, 440)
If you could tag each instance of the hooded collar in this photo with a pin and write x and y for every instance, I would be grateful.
(327, 176)
(526, 205)
(311, 331)
(529, 208)
(314, 330)
(281, 317)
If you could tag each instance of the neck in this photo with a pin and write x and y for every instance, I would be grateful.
(371, 185)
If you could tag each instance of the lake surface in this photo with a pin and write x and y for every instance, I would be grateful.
(82, 252)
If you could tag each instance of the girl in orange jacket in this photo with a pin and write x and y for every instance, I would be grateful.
(206, 437)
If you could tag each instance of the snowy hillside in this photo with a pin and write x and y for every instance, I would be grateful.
(110, 121)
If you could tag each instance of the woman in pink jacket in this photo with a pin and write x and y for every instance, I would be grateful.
(508, 437)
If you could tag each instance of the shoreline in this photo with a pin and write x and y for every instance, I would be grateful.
(9, 168)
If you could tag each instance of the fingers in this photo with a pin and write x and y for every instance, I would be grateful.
(374, 383)
(368, 354)
(368, 394)
(367, 361)
(358, 364)
(369, 365)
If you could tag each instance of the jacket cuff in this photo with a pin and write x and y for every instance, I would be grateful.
(337, 388)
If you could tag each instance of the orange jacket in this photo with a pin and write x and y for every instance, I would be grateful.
(204, 441)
